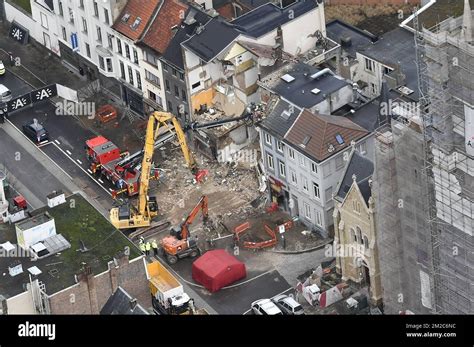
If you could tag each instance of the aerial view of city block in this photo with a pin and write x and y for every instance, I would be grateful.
(236, 157)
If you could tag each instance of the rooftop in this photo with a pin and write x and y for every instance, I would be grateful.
(211, 39)
(281, 118)
(84, 228)
(34, 221)
(121, 303)
(135, 17)
(268, 17)
(301, 84)
(321, 136)
(160, 32)
(338, 31)
(193, 19)
(363, 170)
(396, 49)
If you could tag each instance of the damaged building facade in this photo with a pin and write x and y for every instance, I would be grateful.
(223, 62)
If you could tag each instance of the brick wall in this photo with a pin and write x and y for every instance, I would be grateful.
(372, 2)
(91, 293)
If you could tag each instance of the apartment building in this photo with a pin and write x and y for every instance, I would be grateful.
(307, 136)
(81, 33)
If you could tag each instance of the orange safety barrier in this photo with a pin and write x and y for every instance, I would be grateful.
(264, 244)
(241, 228)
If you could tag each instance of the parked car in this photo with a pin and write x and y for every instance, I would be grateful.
(36, 132)
(5, 94)
(2, 68)
(288, 305)
(265, 307)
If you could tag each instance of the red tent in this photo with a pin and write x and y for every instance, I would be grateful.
(217, 269)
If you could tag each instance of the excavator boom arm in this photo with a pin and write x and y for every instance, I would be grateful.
(200, 206)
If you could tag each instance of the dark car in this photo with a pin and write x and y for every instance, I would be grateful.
(36, 132)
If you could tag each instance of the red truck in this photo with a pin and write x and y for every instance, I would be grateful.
(116, 166)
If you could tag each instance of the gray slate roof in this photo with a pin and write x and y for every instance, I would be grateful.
(337, 29)
(363, 168)
(119, 303)
(212, 40)
(276, 123)
(266, 18)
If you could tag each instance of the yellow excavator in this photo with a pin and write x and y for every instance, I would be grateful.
(128, 216)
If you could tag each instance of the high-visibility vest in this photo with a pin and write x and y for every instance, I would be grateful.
(154, 244)
(142, 247)
(148, 246)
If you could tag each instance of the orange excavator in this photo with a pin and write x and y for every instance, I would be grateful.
(180, 244)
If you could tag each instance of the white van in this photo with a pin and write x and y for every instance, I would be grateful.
(5, 94)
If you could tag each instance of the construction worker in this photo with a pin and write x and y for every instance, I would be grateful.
(142, 246)
(147, 248)
(154, 245)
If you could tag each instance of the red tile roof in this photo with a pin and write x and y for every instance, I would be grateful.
(319, 133)
(143, 9)
(159, 34)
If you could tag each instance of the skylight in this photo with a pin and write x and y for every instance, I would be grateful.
(136, 23)
(126, 17)
(306, 140)
(315, 91)
(339, 139)
(287, 78)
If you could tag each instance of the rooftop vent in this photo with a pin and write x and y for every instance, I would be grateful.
(15, 268)
(321, 73)
(287, 78)
(136, 23)
(126, 17)
(346, 41)
(315, 91)
(34, 271)
(285, 114)
(405, 90)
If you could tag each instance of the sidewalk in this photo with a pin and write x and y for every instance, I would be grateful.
(39, 66)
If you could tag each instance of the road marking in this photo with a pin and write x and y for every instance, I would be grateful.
(283, 292)
(111, 189)
(101, 181)
(80, 167)
(68, 152)
(57, 142)
(47, 156)
(89, 171)
(80, 162)
(44, 144)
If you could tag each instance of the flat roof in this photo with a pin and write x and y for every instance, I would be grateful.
(33, 221)
(337, 30)
(79, 225)
(268, 17)
(299, 89)
(397, 48)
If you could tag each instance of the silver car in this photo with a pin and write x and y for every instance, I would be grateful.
(288, 305)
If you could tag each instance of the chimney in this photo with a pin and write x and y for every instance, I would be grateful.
(467, 22)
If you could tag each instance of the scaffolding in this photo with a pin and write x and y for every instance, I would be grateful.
(446, 79)
(424, 182)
